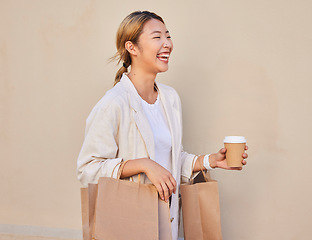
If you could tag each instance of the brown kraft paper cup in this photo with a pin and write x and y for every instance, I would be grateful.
(235, 147)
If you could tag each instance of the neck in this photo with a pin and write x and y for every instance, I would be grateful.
(144, 84)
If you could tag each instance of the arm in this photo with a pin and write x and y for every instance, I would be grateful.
(217, 160)
(98, 154)
(159, 176)
(97, 157)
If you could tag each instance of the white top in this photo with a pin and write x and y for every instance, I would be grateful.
(156, 116)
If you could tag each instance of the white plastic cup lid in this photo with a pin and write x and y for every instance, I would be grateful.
(234, 139)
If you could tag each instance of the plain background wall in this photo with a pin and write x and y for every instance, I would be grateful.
(241, 68)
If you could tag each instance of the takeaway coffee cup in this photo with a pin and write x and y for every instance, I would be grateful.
(235, 147)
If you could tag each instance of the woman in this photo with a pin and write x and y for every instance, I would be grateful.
(140, 120)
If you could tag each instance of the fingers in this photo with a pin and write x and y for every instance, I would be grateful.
(166, 188)
(170, 186)
(174, 183)
(223, 150)
(162, 180)
(235, 168)
(245, 155)
(160, 191)
(166, 191)
(246, 148)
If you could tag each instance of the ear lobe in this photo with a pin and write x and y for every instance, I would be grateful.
(130, 48)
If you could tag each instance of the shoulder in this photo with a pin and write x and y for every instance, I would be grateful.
(114, 97)
(110, 104)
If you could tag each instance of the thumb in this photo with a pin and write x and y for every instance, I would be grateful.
(223, 150)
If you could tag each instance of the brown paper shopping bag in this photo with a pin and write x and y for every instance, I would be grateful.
(88, 199)
(164, 222)
(201, 209)
(129, 210)
(85, 213)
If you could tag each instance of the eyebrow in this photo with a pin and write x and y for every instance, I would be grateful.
(159, 32)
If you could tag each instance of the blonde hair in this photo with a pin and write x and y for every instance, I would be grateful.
(130, 29)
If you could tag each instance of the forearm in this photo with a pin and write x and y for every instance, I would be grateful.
(135, 166)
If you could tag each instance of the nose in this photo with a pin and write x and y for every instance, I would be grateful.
(167, 43)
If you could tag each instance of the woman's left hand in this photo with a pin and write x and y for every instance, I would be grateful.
(218, 160)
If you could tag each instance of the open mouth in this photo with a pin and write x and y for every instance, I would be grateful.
(163, 57)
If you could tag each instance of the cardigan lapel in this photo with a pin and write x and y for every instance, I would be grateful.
(139, 116)
(172, 113)
(146, 132)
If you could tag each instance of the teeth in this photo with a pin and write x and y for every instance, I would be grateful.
(164, 56)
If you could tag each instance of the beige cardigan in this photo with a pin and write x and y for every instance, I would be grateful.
(117, 129)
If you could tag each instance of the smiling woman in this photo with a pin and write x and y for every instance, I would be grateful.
(129, 32)
(140, 120)
(151, 54)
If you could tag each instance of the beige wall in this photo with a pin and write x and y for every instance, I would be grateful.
(240, 67)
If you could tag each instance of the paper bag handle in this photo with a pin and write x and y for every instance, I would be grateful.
(122, 164)
(121, 168)
(115, 168)
(201, 168)
(193, 162)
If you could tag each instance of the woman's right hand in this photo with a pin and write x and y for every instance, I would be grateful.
(161, 178)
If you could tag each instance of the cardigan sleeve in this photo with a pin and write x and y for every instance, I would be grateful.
(187, 160)
(98, 155)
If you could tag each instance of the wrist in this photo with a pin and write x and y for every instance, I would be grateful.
(145, 165)
(212, 160)
(206, 163)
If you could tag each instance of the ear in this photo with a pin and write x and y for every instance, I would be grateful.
(131, 48)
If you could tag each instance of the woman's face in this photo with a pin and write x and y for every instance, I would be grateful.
(154, 47)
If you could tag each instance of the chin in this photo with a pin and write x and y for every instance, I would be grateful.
(163, 70)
